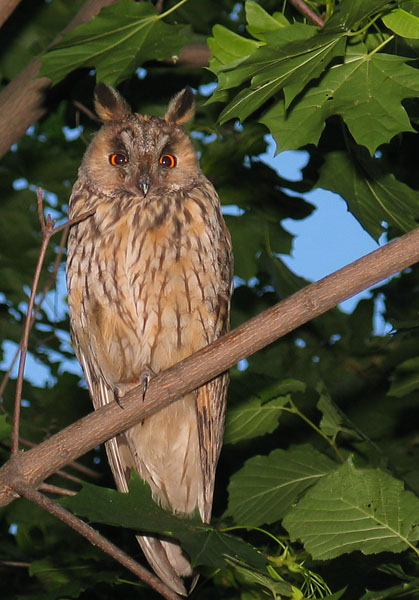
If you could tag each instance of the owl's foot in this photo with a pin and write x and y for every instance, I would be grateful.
(123, 387)
(145, 377)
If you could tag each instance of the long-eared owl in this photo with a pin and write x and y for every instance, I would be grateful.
(149, 283)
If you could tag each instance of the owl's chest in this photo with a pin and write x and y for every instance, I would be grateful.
(150, 293)
(173, 261)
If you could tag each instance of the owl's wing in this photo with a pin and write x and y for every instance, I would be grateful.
(211, 398)
(211, 403)
(119, 455)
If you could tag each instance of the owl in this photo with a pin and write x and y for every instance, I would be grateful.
(149, 283)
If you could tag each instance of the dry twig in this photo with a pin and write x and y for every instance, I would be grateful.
(55, 489)
(51, 281)
(48, 230)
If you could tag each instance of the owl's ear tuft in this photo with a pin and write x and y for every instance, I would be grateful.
(181, 108)
(109, 104)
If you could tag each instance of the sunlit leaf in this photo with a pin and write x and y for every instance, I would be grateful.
(403, 23)
(373, 119)
(117, 41)
(259, 21)
(267, 486)
(355, 509)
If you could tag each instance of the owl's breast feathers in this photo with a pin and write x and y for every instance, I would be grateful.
(150, 279)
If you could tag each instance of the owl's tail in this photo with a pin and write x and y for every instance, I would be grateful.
(168, 561)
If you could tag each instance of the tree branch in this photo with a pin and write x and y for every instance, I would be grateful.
(95, 538)
(23, 99)
(6, 9)
(305, 10)
(32, 467)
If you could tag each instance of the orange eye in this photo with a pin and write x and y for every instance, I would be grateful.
(117, 159)
(168, 160)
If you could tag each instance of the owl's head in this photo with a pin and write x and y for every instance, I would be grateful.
(139, 155)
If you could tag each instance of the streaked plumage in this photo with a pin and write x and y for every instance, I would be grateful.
(149, 283)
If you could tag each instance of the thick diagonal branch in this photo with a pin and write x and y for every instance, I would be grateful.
(32, 467)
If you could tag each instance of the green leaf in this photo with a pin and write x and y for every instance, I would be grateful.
(137, 510)
(355, 509)
(332, 421)
(402, 23)
(250, 231)
(293, 57)
(378, 82)
(228, 46)
(260, 22)
(259, 579)
(5, 427)
(405, 378)
(267, 486)
(115, 42)
(258, 414)
(351, 13)
(372, 196)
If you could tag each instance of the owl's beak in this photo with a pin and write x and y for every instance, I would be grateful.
(143, 185)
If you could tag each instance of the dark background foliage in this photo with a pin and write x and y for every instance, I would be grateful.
(322, 425)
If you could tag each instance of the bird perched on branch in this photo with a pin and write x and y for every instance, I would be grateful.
(149, 283)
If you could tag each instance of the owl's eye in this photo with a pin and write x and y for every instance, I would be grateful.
(168, 160)
(117, 159)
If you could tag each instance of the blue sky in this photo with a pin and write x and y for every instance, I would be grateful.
(330, 237)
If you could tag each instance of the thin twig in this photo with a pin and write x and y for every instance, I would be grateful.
(46, 227)
(74, 221)
(14, 563)
(6, 377)
(68, 476)
(55, 489)
(48, 230)
(81, 107)
(51, 280)
(95, 538)
(308, 12)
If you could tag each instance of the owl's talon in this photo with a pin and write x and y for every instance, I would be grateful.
(118, 394)
(145, 378)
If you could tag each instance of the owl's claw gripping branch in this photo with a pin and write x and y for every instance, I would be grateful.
(145, 377)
